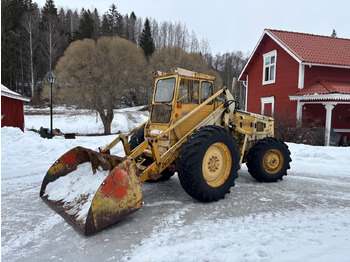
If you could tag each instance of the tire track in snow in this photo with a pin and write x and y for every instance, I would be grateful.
(37, 235)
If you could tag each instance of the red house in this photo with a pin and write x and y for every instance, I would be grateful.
(12, 108)
(300, 75)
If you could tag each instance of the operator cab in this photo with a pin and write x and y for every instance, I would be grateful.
(176, 95)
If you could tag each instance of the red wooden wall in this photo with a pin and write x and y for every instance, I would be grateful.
(341, 118)
(315, 114)
(287, 70)
(12, 110)
(316, 73)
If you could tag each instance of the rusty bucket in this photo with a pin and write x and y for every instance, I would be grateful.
(92, 190)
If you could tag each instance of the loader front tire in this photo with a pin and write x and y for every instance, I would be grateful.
(268, 160)
(208, 163)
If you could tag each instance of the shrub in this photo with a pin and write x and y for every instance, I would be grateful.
(289, 130)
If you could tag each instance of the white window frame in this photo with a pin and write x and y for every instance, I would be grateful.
(268, 100)
(266, 57)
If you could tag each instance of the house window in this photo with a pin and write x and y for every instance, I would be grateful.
(269, 70)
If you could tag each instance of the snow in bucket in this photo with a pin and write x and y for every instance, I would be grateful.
(77, 189)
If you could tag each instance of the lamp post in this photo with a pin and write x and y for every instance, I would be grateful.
(51, 80)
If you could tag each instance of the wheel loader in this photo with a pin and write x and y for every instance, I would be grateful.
(191, 130)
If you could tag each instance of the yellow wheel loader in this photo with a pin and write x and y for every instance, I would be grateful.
(191, 130)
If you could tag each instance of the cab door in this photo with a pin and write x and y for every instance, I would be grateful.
(206, 91)
(189, 97)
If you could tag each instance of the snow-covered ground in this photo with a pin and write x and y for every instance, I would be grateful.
(305, 217)
(82, 121)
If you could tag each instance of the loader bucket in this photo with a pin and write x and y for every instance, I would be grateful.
(92, 190)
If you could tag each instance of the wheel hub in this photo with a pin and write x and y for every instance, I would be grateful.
(216, 165)
(213, 164)
(273, 161)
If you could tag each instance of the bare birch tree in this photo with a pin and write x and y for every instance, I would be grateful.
(30, 21)
(194, 44)
(53, 41)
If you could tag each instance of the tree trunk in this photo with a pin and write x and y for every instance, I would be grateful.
(50, 46)
(107, 119)
(31, 63)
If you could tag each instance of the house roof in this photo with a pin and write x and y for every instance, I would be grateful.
(11, 94)
(308, 49)
(315, 49)
(322, 90)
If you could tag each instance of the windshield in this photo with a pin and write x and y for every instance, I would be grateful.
(164, 90)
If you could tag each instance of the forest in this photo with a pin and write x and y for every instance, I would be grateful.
(35, 41)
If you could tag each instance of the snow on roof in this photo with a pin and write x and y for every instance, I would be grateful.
(11, 94)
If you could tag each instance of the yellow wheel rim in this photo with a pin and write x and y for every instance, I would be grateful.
(216, 165)
(273, 161)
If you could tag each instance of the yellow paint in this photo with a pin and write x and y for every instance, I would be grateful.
(106, 209)
(216, 164)
(273, 161)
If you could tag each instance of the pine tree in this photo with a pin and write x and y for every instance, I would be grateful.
(120, 28)
(146, 40)
(8, 44)
(11, 49)
(105, 27)
(132, 27)
(86, 26)
(113, 16)
(97, 25)
(49, 11)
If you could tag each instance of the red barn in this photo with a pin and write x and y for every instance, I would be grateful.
(300, 75)
(12, 108)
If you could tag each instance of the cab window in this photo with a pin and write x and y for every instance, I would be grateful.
(164, 90)
(206, 91)
(188, 91)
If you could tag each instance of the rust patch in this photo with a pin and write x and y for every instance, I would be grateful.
(69, 158)
(116, 184)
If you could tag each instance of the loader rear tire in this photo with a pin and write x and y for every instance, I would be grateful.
(208, 163)
(268, 160)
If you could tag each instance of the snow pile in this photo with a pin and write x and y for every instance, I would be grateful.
(333, 161)
(77, 189)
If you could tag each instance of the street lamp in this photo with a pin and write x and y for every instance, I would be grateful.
(51, 80)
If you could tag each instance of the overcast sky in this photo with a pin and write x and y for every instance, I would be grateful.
(233, 25)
